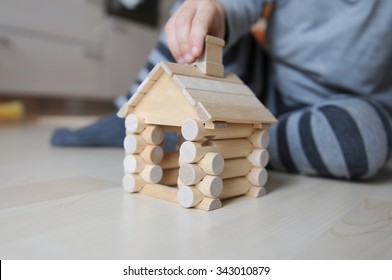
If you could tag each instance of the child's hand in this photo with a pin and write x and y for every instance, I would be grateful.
(187, 28)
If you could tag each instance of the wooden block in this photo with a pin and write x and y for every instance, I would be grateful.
(209, 204)
(155, 73)
(134, 143)
(132, 183)
(213, 54)
(215, 125)
(260, 139)
(134, 124)
(256, 192)
(259, 157)
(124, 111)
(160, 191)
(257, 176)
(133, 163)
(212, 111)
(211, 68)
(237, 167)
(152, 154)
(190, 174)
(146, 85)
(151, 173)
(194, 151)
(192, 71)
(170, 177)
(212, 163)
(186, 82)
(153, 134)
(194, 130)
(189, 196)
(170, 160)
(210, 186)
(135, 99)
(215, 40)
(235, 187)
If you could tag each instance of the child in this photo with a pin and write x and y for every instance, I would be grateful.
(326, 74)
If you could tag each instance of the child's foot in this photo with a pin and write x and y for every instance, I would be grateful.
(107, 132)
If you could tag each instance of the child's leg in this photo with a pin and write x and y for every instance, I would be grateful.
(345, 137)
(110, 131)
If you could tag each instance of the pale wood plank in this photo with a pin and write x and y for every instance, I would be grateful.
(186, 82)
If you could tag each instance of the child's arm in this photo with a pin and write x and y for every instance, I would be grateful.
(187, 28)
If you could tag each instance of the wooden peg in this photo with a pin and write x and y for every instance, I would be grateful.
(209, 204)
(237, 167)
(212, 163)
(260, 139)
(230, 148)
(151, 173)
(235, 187)
(257, 176)
(124, 110)
(132, 183)
(210, 186)
(133, 163)
(191, 174)
(170, 177)
(194, 130)
(134, 143)
(134, 123)
(259, 157)
(153, 134)
(170, 160)
(189, 196)
(256, 192)
(152, 154)
(160, 191)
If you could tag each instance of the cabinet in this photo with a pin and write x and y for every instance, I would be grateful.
(69, 48)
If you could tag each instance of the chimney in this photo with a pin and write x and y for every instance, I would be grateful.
(210, 62)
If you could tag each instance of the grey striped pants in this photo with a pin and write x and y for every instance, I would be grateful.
(344, 136)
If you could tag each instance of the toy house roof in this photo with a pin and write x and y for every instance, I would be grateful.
(225, 99)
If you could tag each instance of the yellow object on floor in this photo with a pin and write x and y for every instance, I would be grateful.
(11, 111)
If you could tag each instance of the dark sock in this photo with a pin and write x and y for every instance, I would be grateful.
(106, 132)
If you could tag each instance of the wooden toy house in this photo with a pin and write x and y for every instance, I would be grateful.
(220, 127)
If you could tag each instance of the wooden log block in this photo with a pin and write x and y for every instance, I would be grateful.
(189, 196)
(151, 173)
(191, 174)
(209, 204)
(160, 191)
(256, 192)
(132, 183)
(170, 177)
(134, 123)
(152, 154)
(259, 157)
(194, 130)
(170, 160)
(235, 187)
(133, 163)
(260, 138)
(179, 182)
(237, 167)
(153, 134)
(257, 176)
(134, 144)
(212, 163)
(210, 186)
(230, 148)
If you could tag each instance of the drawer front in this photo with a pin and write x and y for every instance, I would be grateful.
(35, 66)
(77, 19)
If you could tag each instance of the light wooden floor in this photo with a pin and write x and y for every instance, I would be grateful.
(68, 204)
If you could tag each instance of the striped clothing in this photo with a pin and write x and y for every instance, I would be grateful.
(325, 77)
